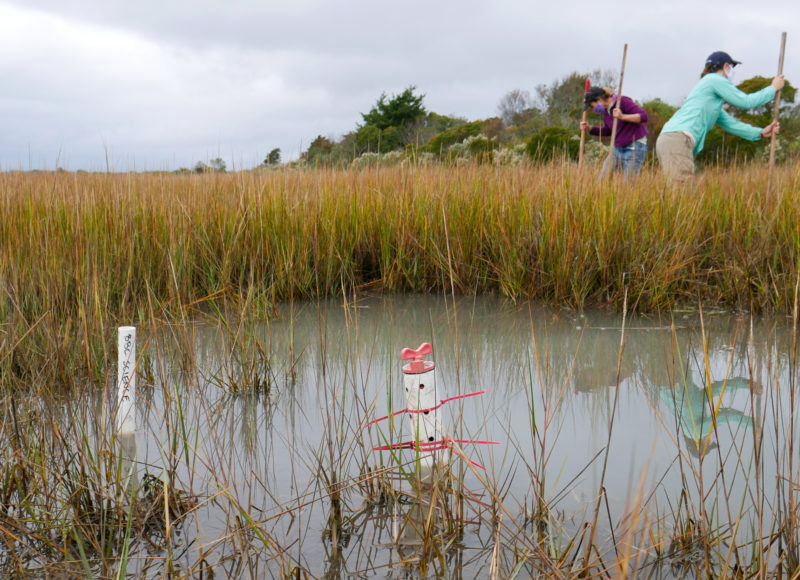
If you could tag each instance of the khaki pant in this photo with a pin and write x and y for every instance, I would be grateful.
(675, 154)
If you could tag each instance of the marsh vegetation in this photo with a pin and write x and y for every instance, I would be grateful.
(272, 307)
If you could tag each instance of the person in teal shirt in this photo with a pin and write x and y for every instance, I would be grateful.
(683, 136)
(690, 405)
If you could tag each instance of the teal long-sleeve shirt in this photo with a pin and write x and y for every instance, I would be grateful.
(703, 108)
(689, 403)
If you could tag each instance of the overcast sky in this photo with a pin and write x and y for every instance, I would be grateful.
(162, 84)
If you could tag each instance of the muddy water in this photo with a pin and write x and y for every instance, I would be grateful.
(576, 402)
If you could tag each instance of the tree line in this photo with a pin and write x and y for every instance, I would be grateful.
(537, 127)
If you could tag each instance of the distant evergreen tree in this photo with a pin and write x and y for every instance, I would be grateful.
(273, 157)
(391, 123)
(399, 111)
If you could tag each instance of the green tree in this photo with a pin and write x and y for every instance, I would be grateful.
(399, 111)
(552, 143)
(273, 157)
(392, 123)
(218, 164)
(482, 149)
(421, 131)
(528, 122)
(443, 140)
(371, 139)
(319, 152)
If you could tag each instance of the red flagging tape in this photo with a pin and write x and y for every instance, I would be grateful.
(407, 410)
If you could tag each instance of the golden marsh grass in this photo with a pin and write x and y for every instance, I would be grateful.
(108, 244)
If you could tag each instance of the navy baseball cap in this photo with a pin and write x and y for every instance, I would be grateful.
(720, 57)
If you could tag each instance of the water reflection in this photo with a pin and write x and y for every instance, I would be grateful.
(293, 457)
(699, 410)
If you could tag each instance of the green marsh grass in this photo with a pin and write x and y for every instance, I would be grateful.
(82, 253)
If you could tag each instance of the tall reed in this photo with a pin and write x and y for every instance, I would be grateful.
(102, 244)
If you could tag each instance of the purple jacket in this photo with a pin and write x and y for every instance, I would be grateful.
(627, 132)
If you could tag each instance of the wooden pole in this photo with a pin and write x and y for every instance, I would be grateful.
(583, 133)
(775, 110)
(616, 106)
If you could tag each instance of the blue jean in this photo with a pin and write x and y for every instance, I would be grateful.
(630, 158)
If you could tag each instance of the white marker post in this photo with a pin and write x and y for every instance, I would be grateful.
(126, 379)
(425, 427)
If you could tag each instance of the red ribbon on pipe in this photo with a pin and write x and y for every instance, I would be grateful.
(407, 410)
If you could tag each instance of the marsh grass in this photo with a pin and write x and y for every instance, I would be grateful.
(81, 253)
(87, 245)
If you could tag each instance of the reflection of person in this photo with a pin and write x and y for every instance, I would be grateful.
(630, 142)
(683, 136)
(600, 374)
(689, 404)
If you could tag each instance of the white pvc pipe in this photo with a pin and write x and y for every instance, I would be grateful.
(126, 379)
(128, 475)
(419, 382)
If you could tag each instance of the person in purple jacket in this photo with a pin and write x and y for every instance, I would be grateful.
(630, 143)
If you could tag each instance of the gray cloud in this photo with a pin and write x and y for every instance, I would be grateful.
(162, 85)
